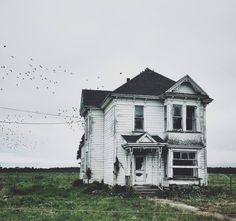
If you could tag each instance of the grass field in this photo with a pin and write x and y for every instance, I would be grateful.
(223, 202)
(51, 196)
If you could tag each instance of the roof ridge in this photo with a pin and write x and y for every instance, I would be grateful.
(138, 84)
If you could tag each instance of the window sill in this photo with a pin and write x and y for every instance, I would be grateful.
(181, 131)
(138, 131)
(184, 178)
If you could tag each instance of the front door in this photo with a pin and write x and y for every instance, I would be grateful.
(140, 173)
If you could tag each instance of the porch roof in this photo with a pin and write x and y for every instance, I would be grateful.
(143, 141)
(135, 138)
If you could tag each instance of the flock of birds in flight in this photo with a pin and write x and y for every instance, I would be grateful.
(35, 73)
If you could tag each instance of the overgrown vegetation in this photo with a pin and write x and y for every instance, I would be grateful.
(60, 196)
(219, 196)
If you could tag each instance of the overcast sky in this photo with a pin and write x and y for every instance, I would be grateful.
(50, 50)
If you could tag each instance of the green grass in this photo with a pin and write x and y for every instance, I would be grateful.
(51, 196)
(223, 202)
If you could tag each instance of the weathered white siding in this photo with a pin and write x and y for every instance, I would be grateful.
(109, 144)
(96, 144)
(124, 124)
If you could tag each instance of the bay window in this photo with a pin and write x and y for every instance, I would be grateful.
(177, 117)
(190, 118)
(184, 164)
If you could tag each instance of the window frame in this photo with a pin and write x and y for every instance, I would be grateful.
(177, 117)
(184, 166)
(165, 118)
(193, 119)
(139, 118)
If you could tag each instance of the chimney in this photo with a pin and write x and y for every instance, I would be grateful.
(127, 79)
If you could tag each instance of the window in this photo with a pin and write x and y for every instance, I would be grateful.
(190, 118)
(184, 164)
(177, 117)
(138, 124)
(86, 128)
(165, 118)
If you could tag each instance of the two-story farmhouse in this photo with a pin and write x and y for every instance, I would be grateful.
(151, 130)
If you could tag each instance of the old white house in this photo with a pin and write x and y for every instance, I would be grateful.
(151, 130)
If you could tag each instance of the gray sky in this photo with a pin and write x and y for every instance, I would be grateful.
(86, 44)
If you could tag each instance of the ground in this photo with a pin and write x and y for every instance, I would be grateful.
(51, 196)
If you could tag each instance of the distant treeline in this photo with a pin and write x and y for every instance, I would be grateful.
(226, 170)
(32, 169)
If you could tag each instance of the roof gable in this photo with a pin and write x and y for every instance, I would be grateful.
(92, 98)
(147, 82)
(143, 138)
(186, 85)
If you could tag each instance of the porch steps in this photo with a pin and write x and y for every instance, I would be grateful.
(145, 190)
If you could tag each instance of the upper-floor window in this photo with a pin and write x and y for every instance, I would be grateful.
(139, 118)
(165, 118)
(177, 117)
(190, 118)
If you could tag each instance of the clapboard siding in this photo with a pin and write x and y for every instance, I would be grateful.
(96, 144)
(109, 117)
(105, 141)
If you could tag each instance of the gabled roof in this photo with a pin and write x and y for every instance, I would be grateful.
(93, 97)
(147, 82)
(189, 80)
(141, 138)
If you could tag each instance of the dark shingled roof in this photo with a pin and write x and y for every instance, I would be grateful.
(93, 97)
(131, 138)
(147, 82)
(134, 138)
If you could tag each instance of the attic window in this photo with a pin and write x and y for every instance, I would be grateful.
(139, 118)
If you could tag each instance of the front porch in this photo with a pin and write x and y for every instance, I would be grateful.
(145, 160)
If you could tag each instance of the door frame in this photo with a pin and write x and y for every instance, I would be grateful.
(144, 170)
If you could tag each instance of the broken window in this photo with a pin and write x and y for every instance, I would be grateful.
(184, 164)
(190, 118)
(177, 117)
(139, 119)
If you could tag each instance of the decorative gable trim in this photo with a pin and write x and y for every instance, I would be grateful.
(188, 79)
(146, 138)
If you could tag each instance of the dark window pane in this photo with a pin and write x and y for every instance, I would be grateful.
(177, 110)
(183, 172)
(139, 123)
(184, 162)
(184, 155)
(139, 163)
(189, 124)
(191, 155)
(165, 117)
(176, 155)
(138, 111)
(190, 120)
(190, 111)
(177, 123)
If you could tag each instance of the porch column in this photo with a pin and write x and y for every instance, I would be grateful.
(131, 167)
